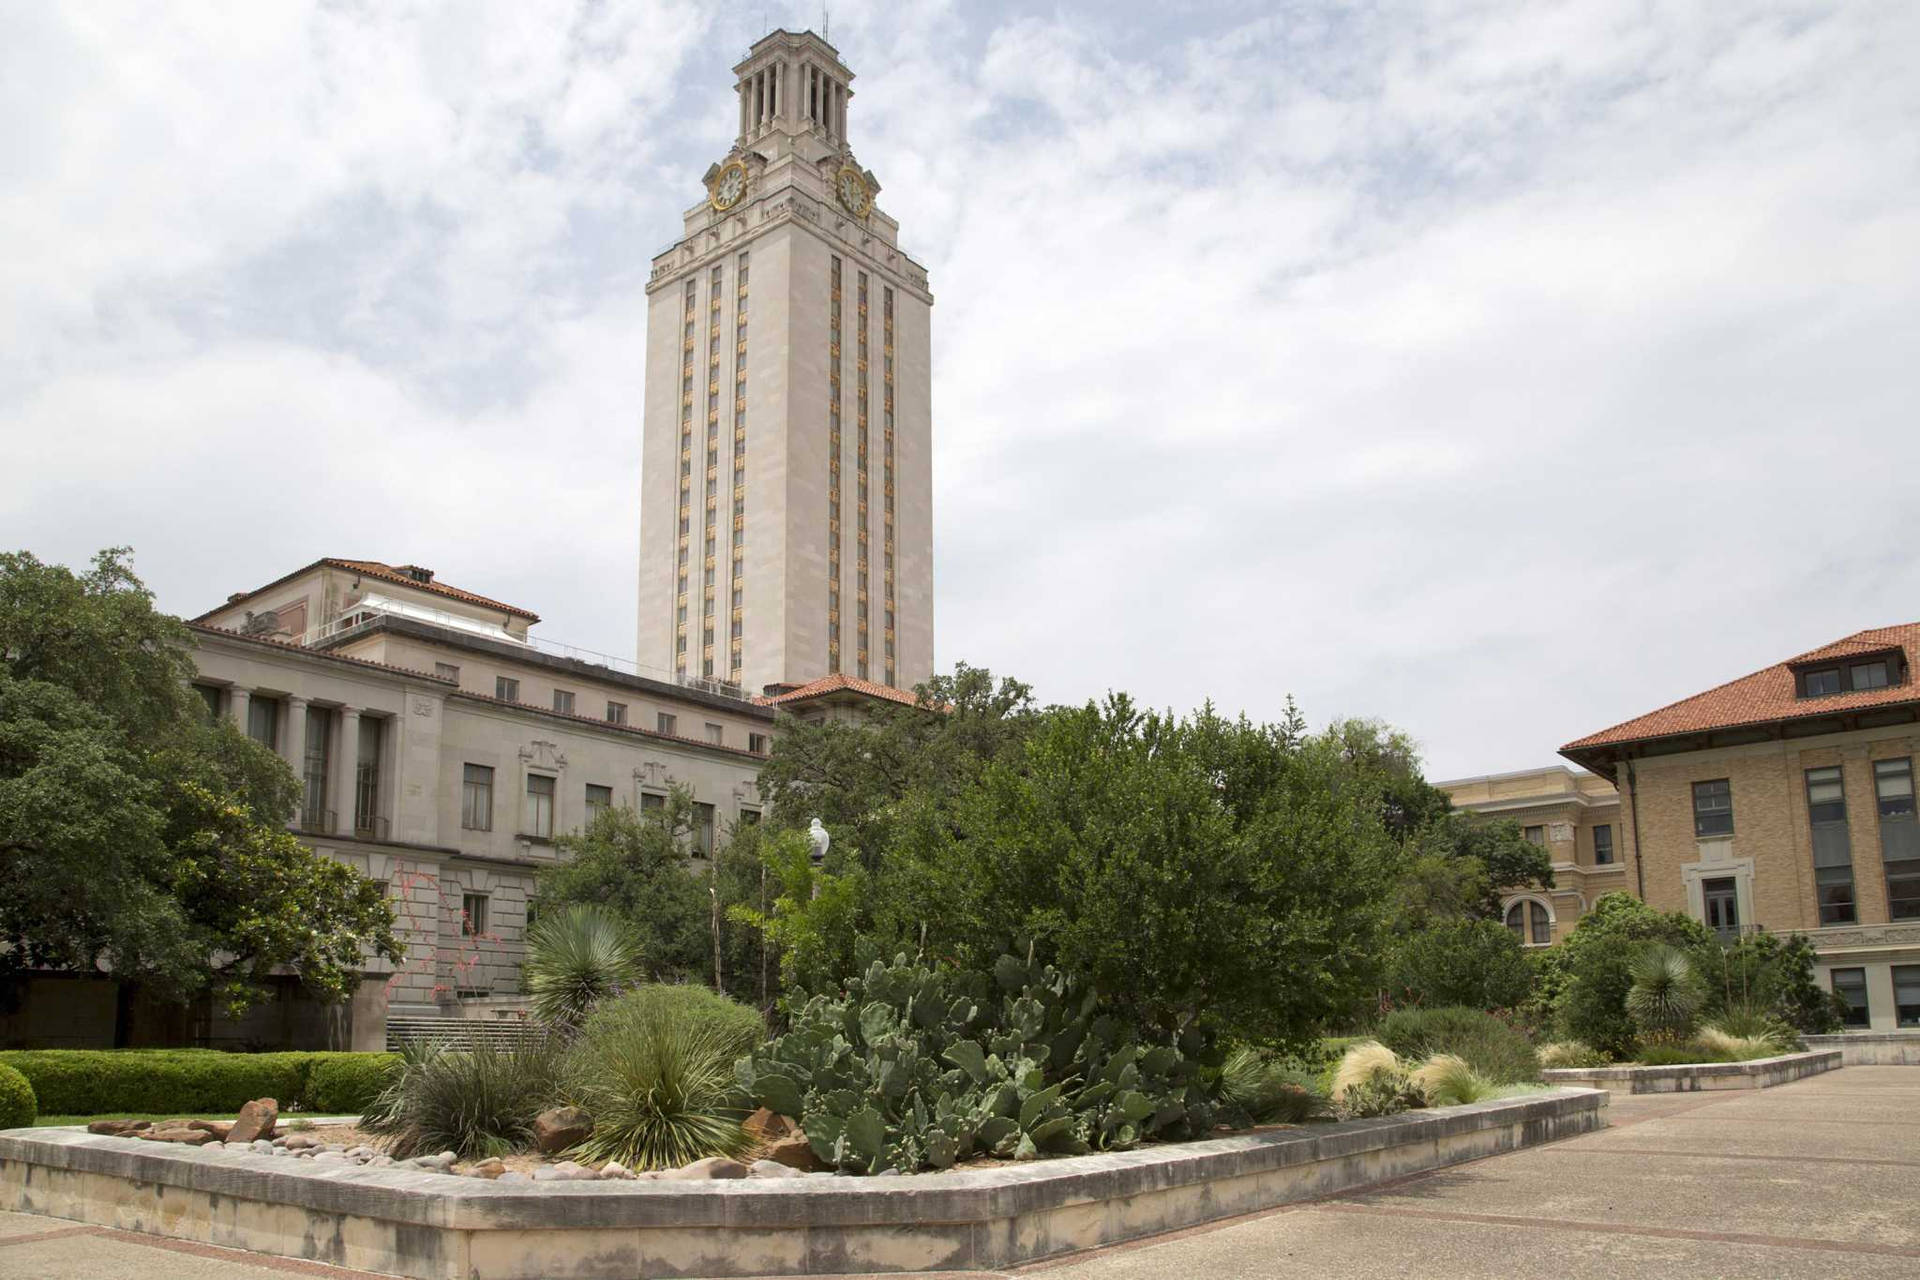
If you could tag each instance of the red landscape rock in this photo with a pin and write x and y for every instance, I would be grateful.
(256, 1121)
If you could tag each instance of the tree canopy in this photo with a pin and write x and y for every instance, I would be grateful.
(138, 836)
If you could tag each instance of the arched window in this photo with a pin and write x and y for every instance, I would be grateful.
(1529, 921)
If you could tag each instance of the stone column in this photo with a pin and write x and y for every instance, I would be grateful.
(237, 702)
(293, 749)
(347, 762)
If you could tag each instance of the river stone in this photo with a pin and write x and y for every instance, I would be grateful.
(514, 1175)
(614, 1171)
(773, 1169)
(712, 1168)
(119, 1128)
(490, 1168)
(556, 1130)
(257, 1120)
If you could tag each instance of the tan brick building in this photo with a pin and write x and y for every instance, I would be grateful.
(1575, 817)
(1784, 800)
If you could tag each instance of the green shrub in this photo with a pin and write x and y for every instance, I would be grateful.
(914, 1067)
(688, 1005)
(661, 1089)
(1475, 963)
(576, 958)
(1597, 966)
(18, 1107)
(472, 1102)
(1570, 1053)
(1489, 1046)
(1269, 1089)
(1677, 1054)
(1765, 972)
(348, 1083)
(84, 1082)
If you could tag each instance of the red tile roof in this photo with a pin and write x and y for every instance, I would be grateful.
(385, 573)
(836, 683)
(1768, 696)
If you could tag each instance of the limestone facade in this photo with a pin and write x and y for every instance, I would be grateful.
(1575, 816)
(786, 471)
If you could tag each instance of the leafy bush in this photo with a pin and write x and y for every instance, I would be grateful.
(575, 959)
(1762, 971)
(1371, 1080)
(1447, 1080)
(472, 1102)
(85, 1082)
(348, 1083)
(1677, 1053)
(914, 1067)
(1666, 996)
(1570, 1053)
(1475, 963)
(1597, 967)
(1268, 1089)
(660, 1085)
(688, 1005)
(18, 1107)
(1491, 1047)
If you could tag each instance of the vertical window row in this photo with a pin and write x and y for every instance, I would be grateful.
(886, 446)
(833, 468)
(737, 577)
(861, 537)
(1832, 846)
(1899, 836)
(710, 489)
(690, 305)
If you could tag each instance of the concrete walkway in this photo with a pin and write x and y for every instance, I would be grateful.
(1818, 1178)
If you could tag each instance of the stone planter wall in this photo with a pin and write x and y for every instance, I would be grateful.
(437, 1227)
(1761, 1073)
(1872, 1048)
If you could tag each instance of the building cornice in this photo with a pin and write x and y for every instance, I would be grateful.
(622, 731)
(305, 653)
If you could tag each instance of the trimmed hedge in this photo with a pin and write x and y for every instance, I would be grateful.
(91, 1082)
(17, 1107)
(347, 1083)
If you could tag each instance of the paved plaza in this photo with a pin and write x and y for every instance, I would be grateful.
(1817, 1178)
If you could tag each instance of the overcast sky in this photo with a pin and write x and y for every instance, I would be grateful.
(1500, 370)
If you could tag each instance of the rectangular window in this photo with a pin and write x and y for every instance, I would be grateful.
(473, 915)
(317, 772)
(749, 817)
(1906, 994)
(665, 723)
(1822, 683)
(1603, 844)
(263, 722)
(599, 800)
(757, 743)
(702, 830)
(1869, 675)
(209, 694)
(563, 701)
(652, 803)
(1536, 835)
(616, 713)
(366, 777)
(476, 798)
(1832, 853)
(447, 671)
(539, 806)
(506, 688)
(1722, 903)
(1899, 836)
(1713, 808)
(716, 734)
(1851, 986)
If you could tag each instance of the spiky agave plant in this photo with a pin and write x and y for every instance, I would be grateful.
(1269, 1090)
(1666, 994)
(576, 959)
(473, 1102)
(661, 1091)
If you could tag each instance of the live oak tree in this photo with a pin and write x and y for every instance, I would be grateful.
(138, 837)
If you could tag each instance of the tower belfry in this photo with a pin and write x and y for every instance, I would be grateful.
(786, 472)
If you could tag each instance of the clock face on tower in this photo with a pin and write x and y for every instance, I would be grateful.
(855, 196)
(729, 186)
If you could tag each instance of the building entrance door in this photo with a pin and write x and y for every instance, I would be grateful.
(1722, 905)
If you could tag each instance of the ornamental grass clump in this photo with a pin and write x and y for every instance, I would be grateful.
(1448, 1080)
(1269, 1090)
(1727, 1047)
(1498, 1052)
(1753, 1021)
(473, 1102)
(661, 1090)
(1371, 1080)
(1562, 1054)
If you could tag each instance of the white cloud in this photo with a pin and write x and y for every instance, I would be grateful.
(1500, 371)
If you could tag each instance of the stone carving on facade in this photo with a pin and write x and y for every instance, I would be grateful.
(544, 754)
(423, 707)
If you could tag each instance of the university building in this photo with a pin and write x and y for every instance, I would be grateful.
(1784, 800)
(786, 569)
(1575, 816)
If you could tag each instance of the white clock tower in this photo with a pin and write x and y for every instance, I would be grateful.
(786, 509)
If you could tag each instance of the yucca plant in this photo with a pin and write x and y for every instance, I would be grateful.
(576, 959)
(473, 1102)
(661, 1091)
(383, 1114)
(1666, 994)
(1268, 1090)
(1447, 1080)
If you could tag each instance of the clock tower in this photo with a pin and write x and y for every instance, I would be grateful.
(786, 508)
